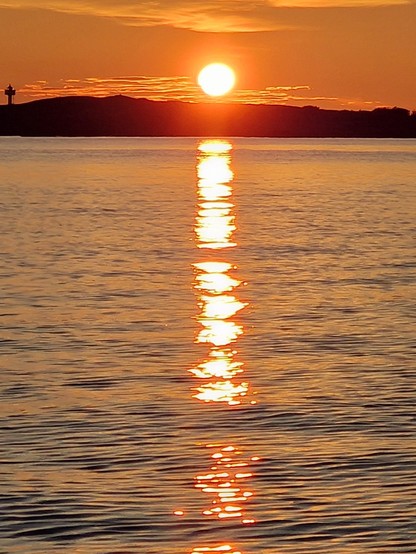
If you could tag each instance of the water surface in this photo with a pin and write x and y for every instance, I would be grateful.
(207, 346)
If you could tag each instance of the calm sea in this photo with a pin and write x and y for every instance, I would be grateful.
(207, 346)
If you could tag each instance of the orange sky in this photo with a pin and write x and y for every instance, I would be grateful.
(329, 53)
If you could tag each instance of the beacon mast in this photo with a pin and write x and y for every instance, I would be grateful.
(10, 92)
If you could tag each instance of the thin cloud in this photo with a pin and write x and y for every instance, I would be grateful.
(207, 16)
(154, 88)
(183, 89)
(337, 3)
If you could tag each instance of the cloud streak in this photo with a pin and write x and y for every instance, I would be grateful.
(206, 16)
(182, 89)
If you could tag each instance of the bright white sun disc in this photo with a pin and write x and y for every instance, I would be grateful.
(216, 79)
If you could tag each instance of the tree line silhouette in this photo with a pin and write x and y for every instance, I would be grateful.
(124, 116)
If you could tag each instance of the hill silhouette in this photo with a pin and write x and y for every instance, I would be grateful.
(124, 116)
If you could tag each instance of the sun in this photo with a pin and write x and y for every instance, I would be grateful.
(216, 79)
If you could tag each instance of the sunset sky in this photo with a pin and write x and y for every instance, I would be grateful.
(355, 54)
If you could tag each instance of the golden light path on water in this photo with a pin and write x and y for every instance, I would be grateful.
(216, 285)
(226, 483)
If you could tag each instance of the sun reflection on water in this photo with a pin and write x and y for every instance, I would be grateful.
(215, 222)
(213, 284)
(220, 373)
(227, 483)
(222, 548)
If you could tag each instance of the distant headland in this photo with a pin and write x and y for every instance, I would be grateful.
(75, 116)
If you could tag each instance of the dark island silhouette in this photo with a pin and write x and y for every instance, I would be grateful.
(75, 116)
